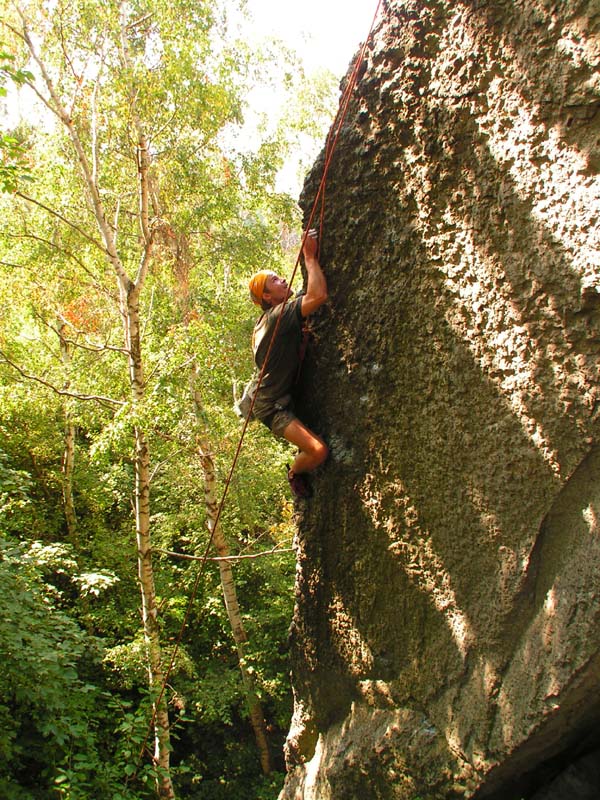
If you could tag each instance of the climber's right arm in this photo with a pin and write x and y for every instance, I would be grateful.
(316, 285)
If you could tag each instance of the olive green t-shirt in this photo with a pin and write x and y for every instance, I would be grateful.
(280, 374)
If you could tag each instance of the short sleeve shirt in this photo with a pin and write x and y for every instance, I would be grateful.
(282, 367)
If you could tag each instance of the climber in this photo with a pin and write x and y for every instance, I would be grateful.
(274, 402)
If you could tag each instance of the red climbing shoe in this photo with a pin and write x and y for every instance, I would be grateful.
(299, 484)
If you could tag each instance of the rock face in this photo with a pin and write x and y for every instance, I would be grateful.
(446, 637)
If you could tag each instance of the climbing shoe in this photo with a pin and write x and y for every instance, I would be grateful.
(298, 484)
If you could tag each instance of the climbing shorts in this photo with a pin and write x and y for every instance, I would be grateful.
(278, 420)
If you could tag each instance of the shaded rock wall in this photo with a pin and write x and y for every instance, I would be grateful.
(445, 638)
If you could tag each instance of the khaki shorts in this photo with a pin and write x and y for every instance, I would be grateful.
(278, 421)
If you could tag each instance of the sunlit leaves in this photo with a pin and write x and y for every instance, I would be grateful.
(166, 68)
(14, 165)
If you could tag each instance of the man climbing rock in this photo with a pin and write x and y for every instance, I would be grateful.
(274, 402)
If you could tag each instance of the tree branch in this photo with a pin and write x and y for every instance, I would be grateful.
(142, 163)
(137, 22)
(94, 132)
(91, 347)
(92, 188)
(225, 558)
(105, 401)
(166, 461)
(65, 251)
(62, 219)
(95, 348)
(13, 266)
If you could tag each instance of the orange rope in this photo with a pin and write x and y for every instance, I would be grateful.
(320, 197)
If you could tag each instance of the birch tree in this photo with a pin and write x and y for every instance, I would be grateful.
(68, 460)
(135, 95)
(212, 500)
(130, 289)
(101, 72)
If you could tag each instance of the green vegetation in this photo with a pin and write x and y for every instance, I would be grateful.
(130, 177)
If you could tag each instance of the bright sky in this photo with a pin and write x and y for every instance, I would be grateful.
(326, 32)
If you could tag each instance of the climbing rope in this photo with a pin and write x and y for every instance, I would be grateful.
(319, 199)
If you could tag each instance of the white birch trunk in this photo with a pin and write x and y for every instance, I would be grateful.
(129, 292)
(240, 637)
(68, 459)
(156, 677)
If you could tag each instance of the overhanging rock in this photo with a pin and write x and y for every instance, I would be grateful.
(445, 639)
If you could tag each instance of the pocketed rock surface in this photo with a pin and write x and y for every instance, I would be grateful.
(445, 641)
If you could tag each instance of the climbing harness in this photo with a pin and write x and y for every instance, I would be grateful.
(319, 198)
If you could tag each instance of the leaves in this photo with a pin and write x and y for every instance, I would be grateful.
(14, 166)
(45, 704)
(213, 217)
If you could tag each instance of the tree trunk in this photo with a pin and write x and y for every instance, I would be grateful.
(162, 746)
(240, 636)
(129, 292)
(68, 459)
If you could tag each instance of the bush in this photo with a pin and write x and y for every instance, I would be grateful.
(56, 729)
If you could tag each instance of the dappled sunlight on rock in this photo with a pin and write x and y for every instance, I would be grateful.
(413, 546)
(456, 374)
(349, 643)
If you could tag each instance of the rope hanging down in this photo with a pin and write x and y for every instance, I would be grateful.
(319, 198)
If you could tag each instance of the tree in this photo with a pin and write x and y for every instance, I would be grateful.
(212, 503)
(68, 461)
(130, 290)
(141, 93)
(72, 85)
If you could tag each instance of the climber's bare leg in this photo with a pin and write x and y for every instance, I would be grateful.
(313, 450)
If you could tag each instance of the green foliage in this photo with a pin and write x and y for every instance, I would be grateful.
(14, 167)
(51, 716)
(237, 781)
(29, 485)
(15, 488)
(73, 728)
